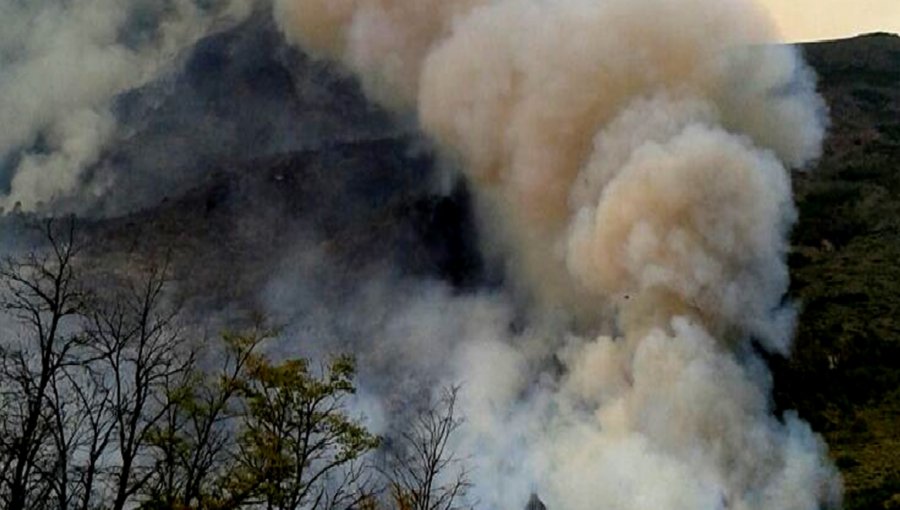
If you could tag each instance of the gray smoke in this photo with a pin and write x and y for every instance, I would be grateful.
(62, 64)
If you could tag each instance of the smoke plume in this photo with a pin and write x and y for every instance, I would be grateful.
(630, 161)
(63, 63)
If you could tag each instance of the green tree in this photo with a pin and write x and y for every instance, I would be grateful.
(263, 435)
(297, 446)
(195, 445)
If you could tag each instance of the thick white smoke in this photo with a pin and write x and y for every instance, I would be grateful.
(62, 62)
(627, 155)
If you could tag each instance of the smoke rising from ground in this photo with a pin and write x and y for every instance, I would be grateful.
(629, 163)
(63, 63)
(628, 157)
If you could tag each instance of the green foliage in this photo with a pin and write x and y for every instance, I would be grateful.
(261, 433)
(295, 433)
(844, 373)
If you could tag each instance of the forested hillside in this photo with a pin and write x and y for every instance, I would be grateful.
(844, 375)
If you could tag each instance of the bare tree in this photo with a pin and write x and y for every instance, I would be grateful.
(423, 472)
(80, 405)
(90, 434)
(82, 378)
(143, 356)
(42, 294)
(103, 405)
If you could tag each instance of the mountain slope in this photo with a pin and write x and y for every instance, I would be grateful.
(844, 375)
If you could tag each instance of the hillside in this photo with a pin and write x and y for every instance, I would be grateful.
(250, 155)
(844, 375)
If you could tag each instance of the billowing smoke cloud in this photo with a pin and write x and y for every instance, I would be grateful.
(61, 65)
(629, 158)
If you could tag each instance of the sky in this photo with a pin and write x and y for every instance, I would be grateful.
(805, 20)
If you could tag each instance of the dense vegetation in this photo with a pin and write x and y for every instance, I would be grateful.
(844, 375)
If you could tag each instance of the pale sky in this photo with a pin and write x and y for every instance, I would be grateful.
(805, 20)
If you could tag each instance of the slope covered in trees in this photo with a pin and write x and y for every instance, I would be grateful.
(844, 375)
